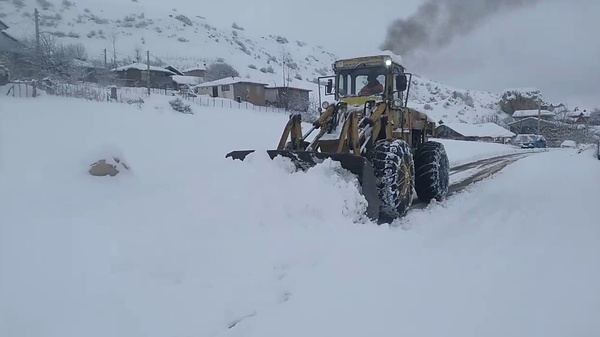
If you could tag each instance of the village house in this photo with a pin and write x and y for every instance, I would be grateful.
(544, 114)
(488, 132)
(551, 130)
(88, 72)
(236, 88)
(185, 82)
(578, 117)
(290, 98)
(197, 71)
(136, 75)
(530, 125)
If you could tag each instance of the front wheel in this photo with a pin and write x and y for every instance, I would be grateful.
(394, 170)
(431, 171)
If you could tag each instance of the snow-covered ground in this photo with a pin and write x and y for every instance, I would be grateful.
(188, 243)
(462, 152)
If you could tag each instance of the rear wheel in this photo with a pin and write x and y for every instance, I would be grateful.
(394, 169)
(431, 171)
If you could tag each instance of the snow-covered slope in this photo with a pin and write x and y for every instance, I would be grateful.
(189, 243)
(184, 38)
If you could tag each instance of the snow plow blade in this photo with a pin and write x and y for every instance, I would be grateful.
(359, 166)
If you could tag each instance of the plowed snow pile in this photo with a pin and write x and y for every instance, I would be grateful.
(188, 243)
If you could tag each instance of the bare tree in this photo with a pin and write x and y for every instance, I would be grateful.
(138, 54)
(113, 38)
(288, 66)
(56, 60)
(491, 118)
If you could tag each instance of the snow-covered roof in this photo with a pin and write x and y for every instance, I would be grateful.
(198, 67)
(82, 63)
(578, 113)
(479, 130)
(533, 119)
(289, 86)
(532, 113)
(190, 80)
(229, 80)
(142, 66)
(3, 26)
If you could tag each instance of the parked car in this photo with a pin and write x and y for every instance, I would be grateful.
(530, 141)
(568, 144)
(540, 142)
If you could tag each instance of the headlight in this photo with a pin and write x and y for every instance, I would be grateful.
(388, 62)
(325, 104)
(398, 102)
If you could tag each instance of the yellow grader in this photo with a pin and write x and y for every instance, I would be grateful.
(371, 132)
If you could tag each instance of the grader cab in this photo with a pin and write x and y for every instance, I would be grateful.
(371, 132)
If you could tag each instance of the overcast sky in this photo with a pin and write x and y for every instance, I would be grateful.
(553, 45)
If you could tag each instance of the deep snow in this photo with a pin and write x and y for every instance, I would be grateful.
(189, 243)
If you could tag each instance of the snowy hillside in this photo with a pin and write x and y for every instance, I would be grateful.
(188, 243)
(183, 39)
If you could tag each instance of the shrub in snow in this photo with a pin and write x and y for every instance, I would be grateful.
(465, 97)
(269, 70)
(45, 4)
(107, 167)
(219, 70)
(281, 39)
(4, 75)
(178, 105)
(18, 3)
(184, 19)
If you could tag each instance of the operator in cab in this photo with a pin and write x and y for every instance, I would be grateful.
(373, 86)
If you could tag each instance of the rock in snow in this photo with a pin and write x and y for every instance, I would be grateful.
(107, 167)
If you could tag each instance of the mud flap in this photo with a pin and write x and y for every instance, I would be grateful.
(359, 166)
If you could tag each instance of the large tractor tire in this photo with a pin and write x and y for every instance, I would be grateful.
(394, 169)
(431, 171)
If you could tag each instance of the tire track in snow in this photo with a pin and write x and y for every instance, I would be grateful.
(481, 169)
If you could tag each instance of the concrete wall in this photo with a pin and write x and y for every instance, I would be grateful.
(226, 91)
(250, 92)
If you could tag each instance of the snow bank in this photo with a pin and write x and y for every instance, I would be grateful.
(193, 244)
(480, 130)
(462, 152)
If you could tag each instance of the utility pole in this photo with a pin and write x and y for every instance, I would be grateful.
(105, 59)
(38, 47)
(539, 118)
(148, 61)
(38, 50)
